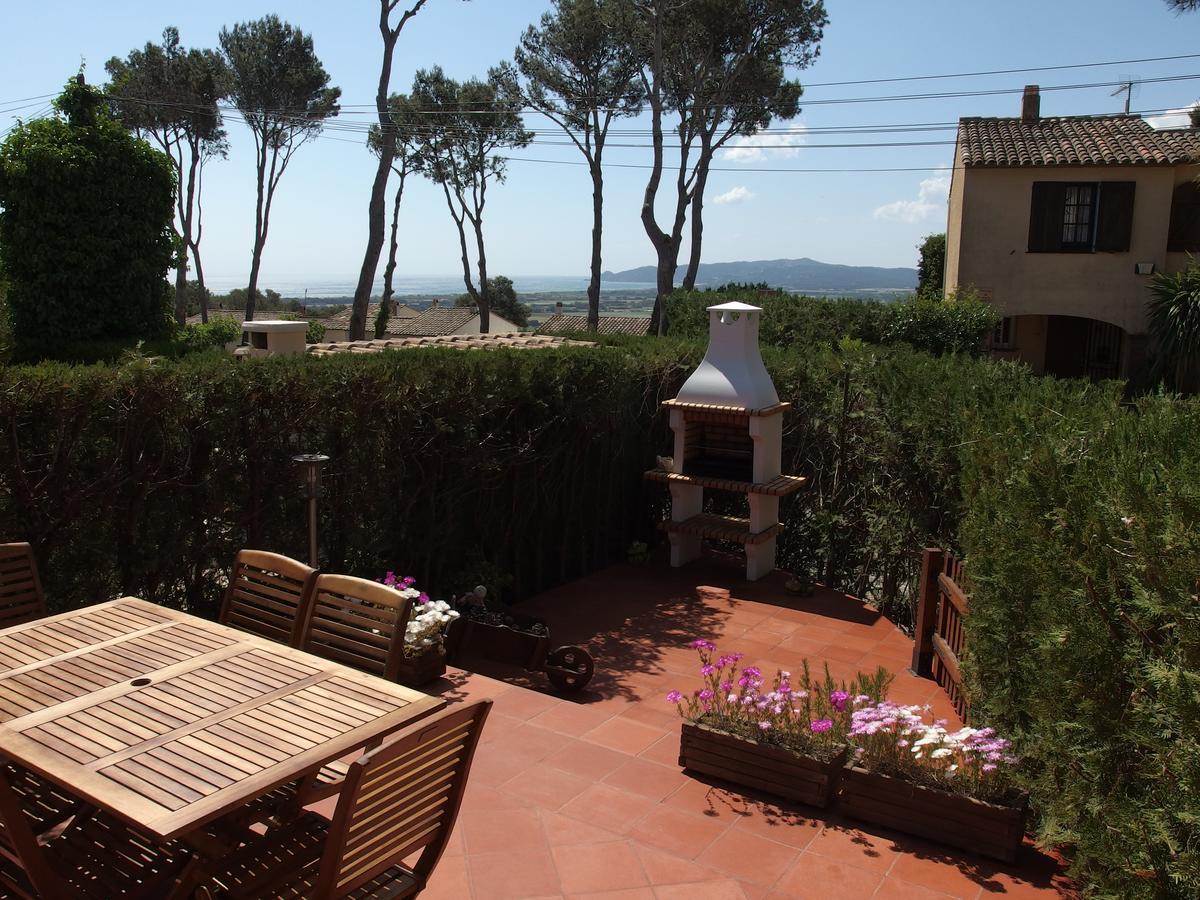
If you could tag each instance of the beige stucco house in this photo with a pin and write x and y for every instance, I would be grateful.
(1059, 223)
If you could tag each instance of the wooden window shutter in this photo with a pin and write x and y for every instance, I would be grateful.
(1046, 216)
(1184, 232)
(1116, 216)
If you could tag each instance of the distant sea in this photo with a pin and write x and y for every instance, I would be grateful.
(422, 285)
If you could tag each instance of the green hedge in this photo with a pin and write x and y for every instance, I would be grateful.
(521, 466)
(1084, 635)
(790, 320)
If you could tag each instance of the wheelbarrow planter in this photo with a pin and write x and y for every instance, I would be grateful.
(518, 640)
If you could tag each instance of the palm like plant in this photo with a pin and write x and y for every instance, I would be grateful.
(1174, 319)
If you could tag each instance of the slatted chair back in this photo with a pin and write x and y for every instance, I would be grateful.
(268, 595)
(22, 848)
(358, 623)
(400, 799)
(21, 597)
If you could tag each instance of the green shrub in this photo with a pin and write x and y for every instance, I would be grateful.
(1084, 634)
(85, 230)
(217, 332)
(791, 320)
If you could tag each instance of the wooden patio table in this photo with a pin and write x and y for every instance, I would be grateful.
(169, 721)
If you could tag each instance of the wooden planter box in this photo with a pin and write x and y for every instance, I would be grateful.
(988, 829)
(762, 767)
(501, 643)
(418, 670)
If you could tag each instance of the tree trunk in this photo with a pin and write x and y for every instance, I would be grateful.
(484, 300)
(385, 303)
(460, 223)
(689, 278)
(259, 221)
(181, 283)
(593, 293)
(200, 288)
(387, 152)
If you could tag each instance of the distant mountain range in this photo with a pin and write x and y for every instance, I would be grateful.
(791, 274)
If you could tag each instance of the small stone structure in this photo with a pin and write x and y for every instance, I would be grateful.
(728, 426)
(272, 337)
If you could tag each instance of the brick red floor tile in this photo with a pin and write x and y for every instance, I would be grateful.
(570, 718)
(847, 844)
(598, 867)
(587, 760)
(609, 807)
(560, 830)
(513, 875)
(722, 889)
(546, 787)
(949, 874)
(624, 735)
(664, 751)
(822, 878)
(896, 889)
(518, 829)
(642, 893)
(749, 857)
(662, 867)
(649, 779)
(682, 833)
(449, 881)
(523, 704)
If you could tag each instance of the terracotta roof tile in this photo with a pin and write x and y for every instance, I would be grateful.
(561, 323)
(342, 319)
(438, 320)
(517, 340)
(1074, 141)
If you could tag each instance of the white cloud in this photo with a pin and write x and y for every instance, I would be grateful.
(1173, 118)
(765, 145)
(931, 198)
(735, 195)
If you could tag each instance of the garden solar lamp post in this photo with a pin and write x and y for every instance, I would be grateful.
(310, 465)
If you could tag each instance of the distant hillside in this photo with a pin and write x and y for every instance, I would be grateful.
(790, 274)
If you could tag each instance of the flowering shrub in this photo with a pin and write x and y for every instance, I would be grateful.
(798, 713)
(427, 619)
(895, 740)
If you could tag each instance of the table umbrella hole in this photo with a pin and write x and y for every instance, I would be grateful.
(140, 682)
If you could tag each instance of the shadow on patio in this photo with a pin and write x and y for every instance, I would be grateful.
(582, 795)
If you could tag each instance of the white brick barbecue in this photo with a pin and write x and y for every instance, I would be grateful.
(728, 427)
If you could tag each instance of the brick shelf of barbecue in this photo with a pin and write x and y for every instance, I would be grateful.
(722, 528)
(780, 486)
(771, 410)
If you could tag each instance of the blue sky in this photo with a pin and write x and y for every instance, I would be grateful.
(539, 221)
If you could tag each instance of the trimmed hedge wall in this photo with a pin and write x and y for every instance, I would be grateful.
(519, 468)
(1084, 635)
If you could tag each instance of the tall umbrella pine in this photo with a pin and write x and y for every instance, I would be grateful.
(282, 92)
(384, 146)
(169, 95)
(463, 127)
(577, 70)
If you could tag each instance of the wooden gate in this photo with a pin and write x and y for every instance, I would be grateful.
(941, 609)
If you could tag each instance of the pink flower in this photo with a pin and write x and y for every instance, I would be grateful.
(674, 697)
(702, 644)
(707, 669)
(819, 725)
(726, 687)
(838, 700)
(765, 726)
(705, 695)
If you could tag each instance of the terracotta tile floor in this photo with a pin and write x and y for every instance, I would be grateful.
(583, 797)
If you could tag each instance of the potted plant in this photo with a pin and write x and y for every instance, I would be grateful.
(950, 787)
(788, 740)
(424, 633)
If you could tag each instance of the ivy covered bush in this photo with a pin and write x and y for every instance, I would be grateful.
(85, 228)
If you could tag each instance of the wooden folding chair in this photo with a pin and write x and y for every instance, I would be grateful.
(268, 595)
(21, 598)
(358, 623)
(396, 801)
(98, 858)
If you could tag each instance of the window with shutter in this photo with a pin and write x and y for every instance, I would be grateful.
(1081, 216)
(1114, 224)
(1183, 235)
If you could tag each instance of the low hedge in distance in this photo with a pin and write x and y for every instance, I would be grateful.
(957, 325)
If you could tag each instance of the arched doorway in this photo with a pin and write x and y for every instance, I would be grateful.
(1083, 348)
